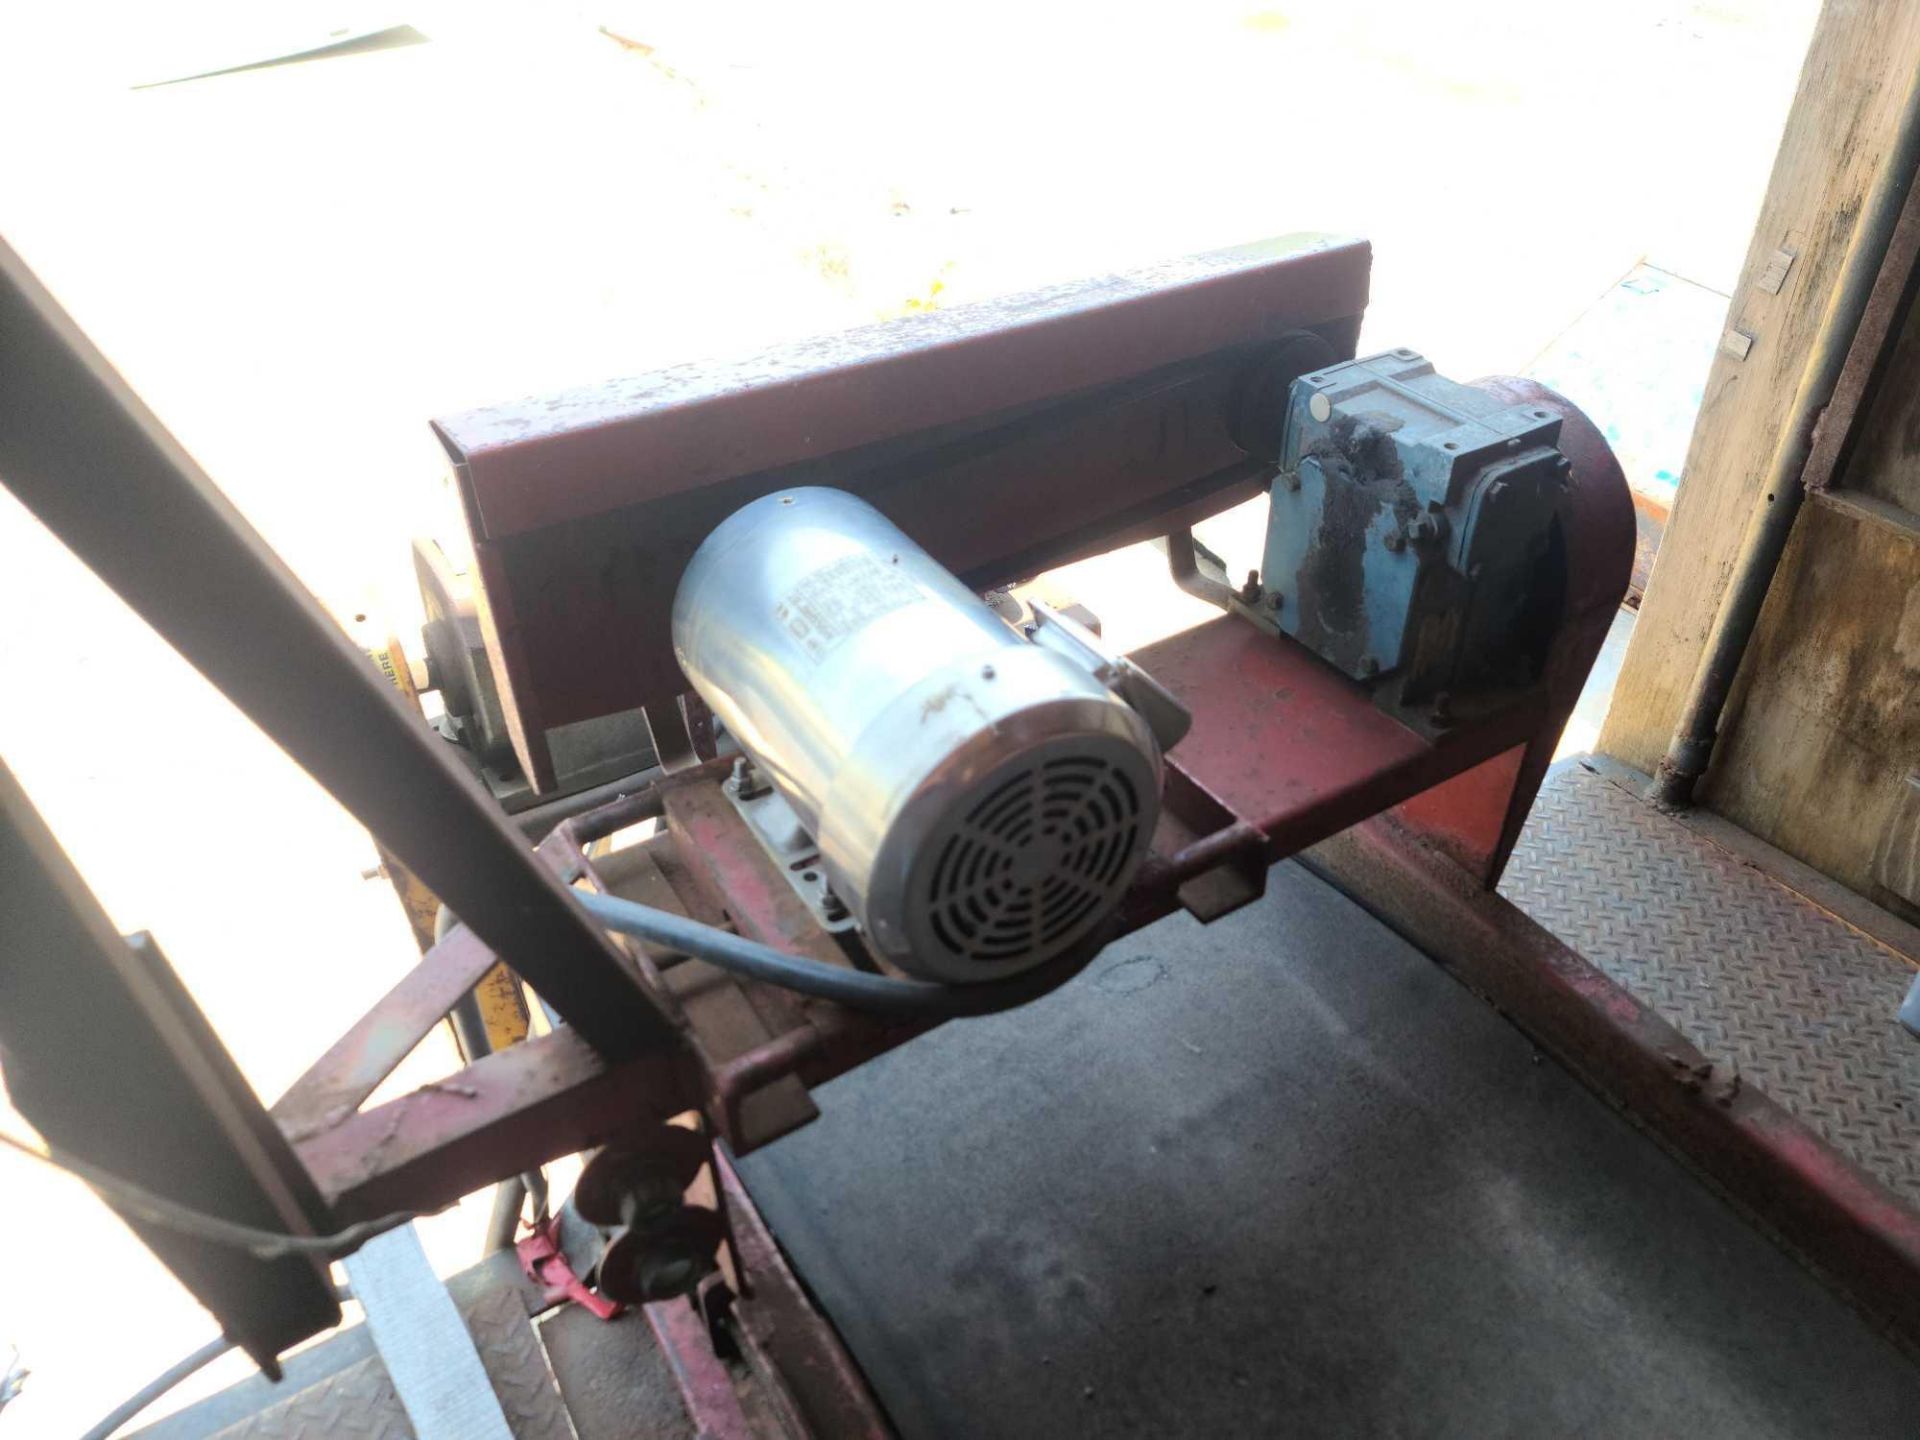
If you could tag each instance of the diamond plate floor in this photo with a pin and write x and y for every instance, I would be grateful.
(563, 1376)
(1755, 975)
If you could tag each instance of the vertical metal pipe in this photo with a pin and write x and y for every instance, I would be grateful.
(1772, 522)
(510, 1195)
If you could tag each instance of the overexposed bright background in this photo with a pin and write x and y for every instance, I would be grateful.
(297, 266)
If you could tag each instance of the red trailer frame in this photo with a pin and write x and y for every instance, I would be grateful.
(1024, 434)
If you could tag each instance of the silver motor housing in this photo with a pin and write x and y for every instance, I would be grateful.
(980, 801)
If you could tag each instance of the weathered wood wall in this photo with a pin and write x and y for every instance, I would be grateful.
(1842, 119)
(1822, 728)
(1825, 725)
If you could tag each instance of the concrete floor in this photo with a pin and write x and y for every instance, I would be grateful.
(1282, 1176)
(297, 266)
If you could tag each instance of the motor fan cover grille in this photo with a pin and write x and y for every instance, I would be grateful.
(1028, 868)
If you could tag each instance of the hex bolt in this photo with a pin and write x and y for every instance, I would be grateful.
(1441, 713)
(1290, 479)
(1250, 592)
(1368, 667)
(832, 906)
(745, 781)
(1276, 600)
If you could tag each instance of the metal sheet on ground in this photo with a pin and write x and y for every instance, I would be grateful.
(354, 1403)
(1769, 985)
(1282, 1173)
(428, 1355)
(339, 1388)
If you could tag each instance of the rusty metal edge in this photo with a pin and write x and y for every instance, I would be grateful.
(340, 1081)
(1854, 393)
(505, 1113)
(1843, 1224)
(706, 1389)
(353, 1067)
(814, 1366)
(695, 424)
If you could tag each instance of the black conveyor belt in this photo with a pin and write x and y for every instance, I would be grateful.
(1281, 1175)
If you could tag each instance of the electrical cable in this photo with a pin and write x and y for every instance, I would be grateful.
(143, 1204)
(855, 989)
(158, 1386)
(172, 1376)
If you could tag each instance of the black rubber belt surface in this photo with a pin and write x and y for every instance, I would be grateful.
(1281, 1175)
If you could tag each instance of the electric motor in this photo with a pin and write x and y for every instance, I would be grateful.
(980, 798)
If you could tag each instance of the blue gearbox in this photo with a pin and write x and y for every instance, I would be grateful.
(1413, 538)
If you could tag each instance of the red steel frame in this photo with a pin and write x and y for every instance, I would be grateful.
(1284, 757)
(1283, 753)
(1005, 437)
